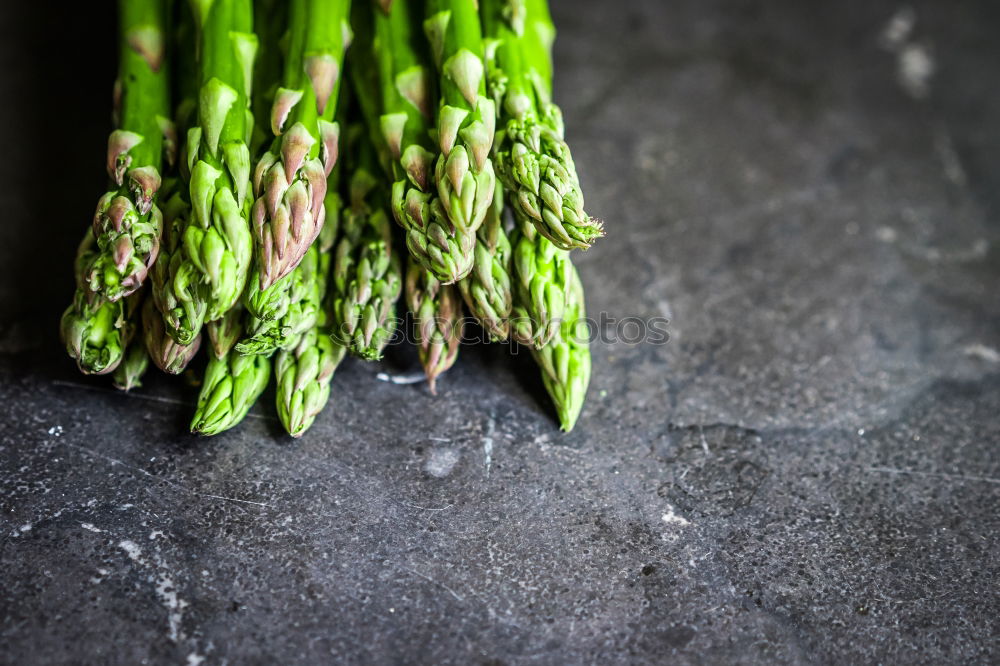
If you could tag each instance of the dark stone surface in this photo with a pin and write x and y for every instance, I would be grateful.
(805, 473)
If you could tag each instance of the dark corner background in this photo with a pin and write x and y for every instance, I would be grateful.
(805, 473)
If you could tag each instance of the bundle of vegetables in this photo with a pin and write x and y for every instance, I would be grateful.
(276, 215)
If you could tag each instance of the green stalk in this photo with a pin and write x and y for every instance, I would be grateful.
(230, 387)
(270, 20)
(565, 360)
(218, 243)
(466, 120)
(290, 179)
(437, 321)
(532, 158)
(178, 291)
(127, 223)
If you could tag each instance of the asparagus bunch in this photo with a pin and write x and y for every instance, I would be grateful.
(291, 264)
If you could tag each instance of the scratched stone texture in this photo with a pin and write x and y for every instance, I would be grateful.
(806, 473)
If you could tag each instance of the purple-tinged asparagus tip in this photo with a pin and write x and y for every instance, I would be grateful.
(323, 71)
(284, 101)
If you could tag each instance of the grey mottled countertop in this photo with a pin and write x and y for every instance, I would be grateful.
(806, 472)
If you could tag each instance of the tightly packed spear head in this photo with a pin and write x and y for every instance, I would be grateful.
(367, 278)
(231, 386)
(303, 376)
(165, 352)
(437, 321)
(95, 330)
(487, 290)
(178, 292)
(128, 375)
(224, 333)
(542, 279)
(466, 120)
(565, 359)
(297, 308)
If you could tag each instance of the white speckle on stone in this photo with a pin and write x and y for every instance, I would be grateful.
(24, 528)
(155, 534)
(130, 548)
(981, 351)
(861, 432)
(195, 659)
(488, 444)
(167, 591)
(414, 378)
(90, 527)
(886, 234)
(914, 63)
(898, 29)
(672, 518)
(915, 69)
(56, 430)
(441, 461)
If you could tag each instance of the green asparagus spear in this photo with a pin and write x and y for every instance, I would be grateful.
(565, 360)
(127, 223)
(177, 290)
(270, 21)
(542, 280)
(290, 179)
(532, 157)
(303, 375)
(366, 279)
(94, 329)
(224, 333)
(297, 309)
(487, 289)
(437, 320)
(400, 88)
(166, 353)
(466, 120)
(128, 374)
(218, 243)
(231, 385)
